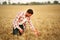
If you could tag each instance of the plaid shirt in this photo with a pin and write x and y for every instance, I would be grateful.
(21, 19)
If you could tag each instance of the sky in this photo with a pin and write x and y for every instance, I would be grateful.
(27, 1)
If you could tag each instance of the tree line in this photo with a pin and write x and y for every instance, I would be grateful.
(31, 3)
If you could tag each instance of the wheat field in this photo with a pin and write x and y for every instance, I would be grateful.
(46, 19)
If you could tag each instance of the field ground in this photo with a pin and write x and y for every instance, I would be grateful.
(46, 19)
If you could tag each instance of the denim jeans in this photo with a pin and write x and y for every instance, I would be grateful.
(16, 31)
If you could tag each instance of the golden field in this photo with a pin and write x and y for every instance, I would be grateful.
(46, 19)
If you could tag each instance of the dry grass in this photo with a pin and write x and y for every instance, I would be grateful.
(46, 19)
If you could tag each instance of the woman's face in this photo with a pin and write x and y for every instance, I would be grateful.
(28, 14)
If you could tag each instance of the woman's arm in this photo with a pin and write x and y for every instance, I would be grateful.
(33, 28)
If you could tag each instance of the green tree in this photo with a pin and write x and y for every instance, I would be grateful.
(4, 3)
(35, 3)
(56, 2)
(49, 2)
(18, 3)
(9, 2)
(13, 3)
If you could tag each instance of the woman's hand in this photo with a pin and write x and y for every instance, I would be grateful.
(37, 33)
(21, 30)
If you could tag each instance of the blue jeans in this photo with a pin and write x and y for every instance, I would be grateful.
(16, 31)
